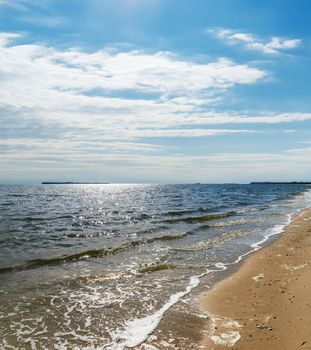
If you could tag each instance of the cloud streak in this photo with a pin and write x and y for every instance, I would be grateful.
(76, 72)
(115, 95)
(243, 167)
(15, 4)
(273, 46)
(122, 110)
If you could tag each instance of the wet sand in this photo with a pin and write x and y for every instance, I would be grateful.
(266, 304)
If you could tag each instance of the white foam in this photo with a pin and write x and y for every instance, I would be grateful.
(275, 230)
(221, 266)
(229, 330)
(137, 331)
(226, 339)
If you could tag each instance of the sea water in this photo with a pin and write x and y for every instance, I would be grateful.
(99, 266)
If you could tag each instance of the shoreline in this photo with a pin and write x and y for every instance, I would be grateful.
(177, 322)
(266, 302)
(198, 321)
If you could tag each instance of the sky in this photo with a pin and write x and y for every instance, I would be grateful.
(155, 91)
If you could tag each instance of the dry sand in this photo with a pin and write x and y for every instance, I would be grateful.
(266, 304)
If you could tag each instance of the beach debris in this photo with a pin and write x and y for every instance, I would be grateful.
(226, 339)
(264, 326)
(258, 277)
(294, 267)
(302, 344)
(225, 331)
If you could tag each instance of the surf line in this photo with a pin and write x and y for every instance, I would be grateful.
(137, 331)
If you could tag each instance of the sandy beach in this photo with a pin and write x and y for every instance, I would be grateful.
(266, 304)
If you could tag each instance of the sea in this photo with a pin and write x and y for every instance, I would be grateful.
(103, 266)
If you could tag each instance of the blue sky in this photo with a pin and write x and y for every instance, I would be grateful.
(155, 90)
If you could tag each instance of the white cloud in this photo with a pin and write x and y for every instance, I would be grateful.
(239, 36)
(45, 21)
(16, 4)
(209, 118)
(5, 38)
(218, 167)
(74, 110)
(92, 91)
(77, 72)
(188, 132)
(301, 151)
(272, 46)
(278, 43)
(289, 131)
(6, 2)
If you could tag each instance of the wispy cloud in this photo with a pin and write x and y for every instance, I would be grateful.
(272, 46)
(238, 118)
(188, 132)
(108, 93)
(5, 38)
(75, 109)
(44, 21)
(6, 2)
(120, 94)
(15, 4)
(243, 167)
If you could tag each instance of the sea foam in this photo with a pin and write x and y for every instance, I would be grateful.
(137, 331)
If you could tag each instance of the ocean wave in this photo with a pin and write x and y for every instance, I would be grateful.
(250, 210)
(92, 253)
(136, 331)
(183, 212)
(170, 266)
(213, 243)
(170, 237)
(235, 222)
(202, 218)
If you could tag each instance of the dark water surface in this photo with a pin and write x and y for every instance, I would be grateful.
(97, 266)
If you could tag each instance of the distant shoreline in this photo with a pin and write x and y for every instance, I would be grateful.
(280, 183)
(197, 183)
(73, 183)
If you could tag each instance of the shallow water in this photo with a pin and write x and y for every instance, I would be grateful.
(97, 266)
